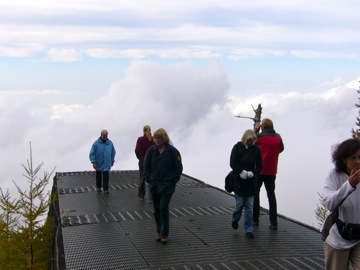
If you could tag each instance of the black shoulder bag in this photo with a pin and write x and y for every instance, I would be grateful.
(229, 179)
(330, 220)
(348, 231)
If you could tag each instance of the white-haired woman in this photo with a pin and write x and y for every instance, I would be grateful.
(102, 157)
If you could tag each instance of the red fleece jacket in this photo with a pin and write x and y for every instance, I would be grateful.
(271, 145)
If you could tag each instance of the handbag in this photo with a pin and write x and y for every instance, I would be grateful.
(348, 231)
(330, 220)
(229, 182)
(229, 179)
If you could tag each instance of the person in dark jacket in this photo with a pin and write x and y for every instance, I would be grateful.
(102, 157)
(246, 163)
(143, 143)
(162, 170)
(271, 145)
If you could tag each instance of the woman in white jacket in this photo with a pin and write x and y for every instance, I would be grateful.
(341, 183)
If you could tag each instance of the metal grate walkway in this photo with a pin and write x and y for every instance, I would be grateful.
(117, 230)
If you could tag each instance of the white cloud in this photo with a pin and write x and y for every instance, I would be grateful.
(193, 104)
(138, 29)
(13, 51)
(63, 55)
(162, 5)
(165, 53)
(60, 111)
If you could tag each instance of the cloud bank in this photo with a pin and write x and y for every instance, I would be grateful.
(194, 105)
(68, 31)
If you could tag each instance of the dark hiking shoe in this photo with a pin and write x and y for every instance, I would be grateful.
(164, 240)
(235, 225)
(273, 227)
(158, 238)
(249, 235)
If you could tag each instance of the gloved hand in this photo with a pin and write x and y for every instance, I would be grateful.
(250, 174)
(244, 174)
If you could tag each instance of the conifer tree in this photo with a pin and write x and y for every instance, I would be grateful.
(321, 212)
(9, 252)
(33, 206)
(26, 220)
(356, 132)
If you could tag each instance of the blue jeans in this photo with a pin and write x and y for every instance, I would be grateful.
(242, 202)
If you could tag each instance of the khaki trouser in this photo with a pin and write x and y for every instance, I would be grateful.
(338, 259)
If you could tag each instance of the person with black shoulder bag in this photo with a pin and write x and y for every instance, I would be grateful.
(246, 163)
(341, 195)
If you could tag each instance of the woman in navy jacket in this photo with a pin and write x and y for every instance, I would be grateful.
(162, 170)
(246, 162)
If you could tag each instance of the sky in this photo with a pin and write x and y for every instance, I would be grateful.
(69, 69)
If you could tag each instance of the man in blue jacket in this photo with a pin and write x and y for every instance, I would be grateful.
(102, 157)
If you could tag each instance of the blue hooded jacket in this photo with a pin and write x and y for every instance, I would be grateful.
(103, 154)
